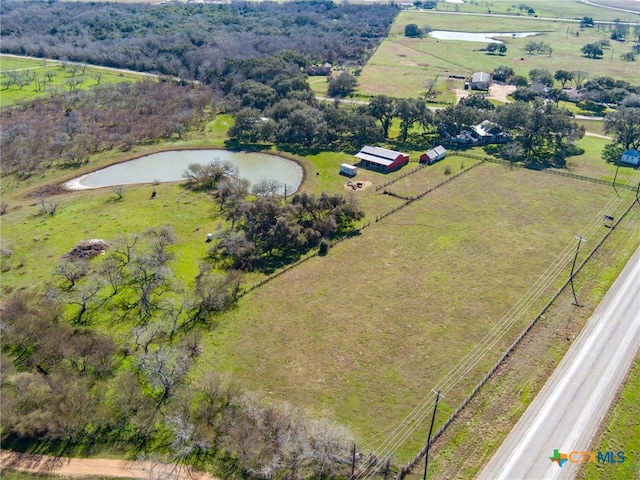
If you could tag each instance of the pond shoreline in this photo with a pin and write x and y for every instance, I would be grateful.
(168, 166)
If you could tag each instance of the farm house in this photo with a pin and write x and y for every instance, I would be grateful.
(480, 81)
(378, 158)
(348, 170)
(433, 155)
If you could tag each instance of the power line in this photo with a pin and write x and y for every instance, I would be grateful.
(408, 425)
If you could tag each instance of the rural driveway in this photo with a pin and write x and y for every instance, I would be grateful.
(568, 410)
(86, 467)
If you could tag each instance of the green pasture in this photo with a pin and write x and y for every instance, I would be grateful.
(63, 81)
(319, 85)
(480, 429)
(9, 62)
(401, 65)
(590, 164)
(592, 126)
(546, 8)
(621, 433)
(37, 241)
(357, 335)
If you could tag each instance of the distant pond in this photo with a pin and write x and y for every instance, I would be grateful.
(169, 167)
(477, 37)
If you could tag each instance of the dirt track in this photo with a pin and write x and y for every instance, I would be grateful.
(89, 467)
(496, 92)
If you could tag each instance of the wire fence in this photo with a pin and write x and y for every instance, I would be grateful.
(546, 170)
(405, 174)
(406, 469)
(398, 434)
(410, 200)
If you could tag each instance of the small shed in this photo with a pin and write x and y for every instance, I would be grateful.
(480, 81)
(348, 170)
(383, 159)
(433, 155)
(631, 157)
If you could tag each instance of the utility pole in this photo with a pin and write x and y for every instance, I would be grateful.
(353, 461)
(614, 180)
(285, 193)
(426, 453)
(573, 266)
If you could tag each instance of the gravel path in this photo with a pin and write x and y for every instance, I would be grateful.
(88, 467)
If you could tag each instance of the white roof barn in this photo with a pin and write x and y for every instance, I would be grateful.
(480, 81)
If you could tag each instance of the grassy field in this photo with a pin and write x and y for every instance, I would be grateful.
(37, 241)
(481, 427)
(401, 65)
(357, 335)
(621, 433)
(590, 164)
(62, 80)
(546, 8)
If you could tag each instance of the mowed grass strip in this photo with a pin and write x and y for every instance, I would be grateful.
(621, 433)
(363, 334)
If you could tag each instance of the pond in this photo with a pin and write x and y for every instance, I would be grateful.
(477, 37)
(169, 167)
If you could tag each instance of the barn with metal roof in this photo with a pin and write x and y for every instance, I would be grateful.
(378, 158)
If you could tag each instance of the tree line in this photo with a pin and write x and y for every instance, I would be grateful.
(192, 41)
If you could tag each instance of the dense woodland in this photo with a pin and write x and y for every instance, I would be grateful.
(64, 130)
(192, 41)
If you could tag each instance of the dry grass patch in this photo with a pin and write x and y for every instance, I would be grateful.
(363, 334)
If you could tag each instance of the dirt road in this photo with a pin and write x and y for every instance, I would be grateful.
(89, 467)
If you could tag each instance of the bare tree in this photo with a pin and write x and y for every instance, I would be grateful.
(579, 77)
(164, 368)
(85, 299)
(71, 272)
(73, 83)
(48, 207)
(266, 187)
(119, 191)
(97, 76)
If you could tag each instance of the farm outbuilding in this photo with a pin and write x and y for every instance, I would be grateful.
(433, 155)
(480, 81)
(378, 158)
(631, 157)
(315, 70)
(349, 170)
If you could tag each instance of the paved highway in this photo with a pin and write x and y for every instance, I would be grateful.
(568, 410)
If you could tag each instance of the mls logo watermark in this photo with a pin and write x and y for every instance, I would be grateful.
(586, 457)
